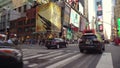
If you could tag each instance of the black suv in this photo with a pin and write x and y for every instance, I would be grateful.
(91, 41)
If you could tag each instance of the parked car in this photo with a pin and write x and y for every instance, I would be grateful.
(10, 56)
(91, 41)
(55, 43)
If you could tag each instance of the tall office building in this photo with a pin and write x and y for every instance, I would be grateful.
(91, 13)
(107, 18)
(100, 16)
(86, 8)
(117, 14)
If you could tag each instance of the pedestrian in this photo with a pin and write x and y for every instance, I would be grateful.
(40, 41)
(13, 39)
(30, 42)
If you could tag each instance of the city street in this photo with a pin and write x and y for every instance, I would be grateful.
(36, 26)
(40, 57)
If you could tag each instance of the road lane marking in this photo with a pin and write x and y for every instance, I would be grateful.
(105, 61)
(65, 55)
(30, 57)
(64, 62)
(26, 62)
(32, 65)
(52, 55)
(38, 55)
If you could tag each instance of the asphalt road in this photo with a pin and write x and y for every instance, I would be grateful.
(40, 57)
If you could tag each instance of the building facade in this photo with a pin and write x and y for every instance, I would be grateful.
(9, 13)
(86, 8)
(23, 20)
(116, 15)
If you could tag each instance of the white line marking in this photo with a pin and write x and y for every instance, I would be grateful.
(105, 61)
(32, 65)
(26, 58)
(31, 57)
(52, 55)
(61, 56)
(26, 62)
(64, 62)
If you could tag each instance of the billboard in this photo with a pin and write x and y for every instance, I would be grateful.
(66, 15)
(74, 18)
(48, 17)
(99, 10)
(73, 3)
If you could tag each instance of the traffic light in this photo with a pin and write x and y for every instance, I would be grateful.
(118, 26)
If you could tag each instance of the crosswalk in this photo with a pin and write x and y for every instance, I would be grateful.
(35, 58)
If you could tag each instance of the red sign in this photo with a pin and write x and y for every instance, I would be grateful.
(74, 28)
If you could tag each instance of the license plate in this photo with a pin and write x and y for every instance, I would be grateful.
(87, 42)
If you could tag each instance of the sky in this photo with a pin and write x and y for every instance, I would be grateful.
(107, 15)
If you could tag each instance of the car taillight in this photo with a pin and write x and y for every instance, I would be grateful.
(6, 51)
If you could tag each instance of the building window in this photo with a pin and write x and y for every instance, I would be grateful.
(20, 30)
(33, 20)
(15, 9)
(19, 9)
(25, 8)
(26, 29)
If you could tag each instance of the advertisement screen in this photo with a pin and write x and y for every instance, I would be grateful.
(66, 15)
(74, 18)
(74, 3)
(48, 17)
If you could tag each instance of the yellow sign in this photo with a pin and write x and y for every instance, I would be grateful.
(47, 14)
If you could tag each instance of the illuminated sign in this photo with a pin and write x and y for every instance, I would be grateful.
(74, 18)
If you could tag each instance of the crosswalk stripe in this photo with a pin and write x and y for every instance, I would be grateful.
(38, 55)
(26, 58)
(60, 64)
(55, 59)
(58, 57)
(26, 62)
(52, 55)
(105, 61)
(32, 65)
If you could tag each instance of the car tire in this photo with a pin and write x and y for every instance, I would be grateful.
(100, 51)
(81, 50)
(65, 46)
(103, 49)
(48, 47)
(20, 65)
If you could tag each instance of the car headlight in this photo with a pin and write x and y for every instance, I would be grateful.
(13, 52)
(17, 54)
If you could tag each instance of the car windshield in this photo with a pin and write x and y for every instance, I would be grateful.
(88, 37)
(6, 45)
